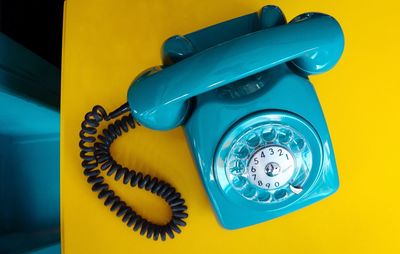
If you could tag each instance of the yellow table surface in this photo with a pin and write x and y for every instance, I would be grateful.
(107, 43)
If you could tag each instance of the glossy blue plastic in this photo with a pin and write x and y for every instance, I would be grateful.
(214, 81)
(311, 42)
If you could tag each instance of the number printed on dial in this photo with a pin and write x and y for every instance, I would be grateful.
(271, 167)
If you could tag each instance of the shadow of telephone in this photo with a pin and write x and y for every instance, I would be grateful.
(250, 114)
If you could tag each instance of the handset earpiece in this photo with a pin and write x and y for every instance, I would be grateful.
(313, 42)
(321, 58)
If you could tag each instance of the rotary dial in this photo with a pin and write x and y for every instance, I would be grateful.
(268, 163)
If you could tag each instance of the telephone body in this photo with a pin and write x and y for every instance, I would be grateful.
(242, 86)
(252, 119)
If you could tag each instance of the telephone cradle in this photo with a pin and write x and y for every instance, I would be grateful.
(252, 119)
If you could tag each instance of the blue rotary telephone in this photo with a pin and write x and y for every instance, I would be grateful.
(240, 89)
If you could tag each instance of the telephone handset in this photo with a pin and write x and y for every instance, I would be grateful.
(240, 90)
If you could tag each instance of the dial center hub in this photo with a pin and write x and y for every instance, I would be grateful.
(272, 169)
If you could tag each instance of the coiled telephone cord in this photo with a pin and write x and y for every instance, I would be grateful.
(96, 157)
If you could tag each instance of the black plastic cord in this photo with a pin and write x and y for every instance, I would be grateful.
(95, 153)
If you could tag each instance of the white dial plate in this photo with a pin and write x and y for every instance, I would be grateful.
(271, 167)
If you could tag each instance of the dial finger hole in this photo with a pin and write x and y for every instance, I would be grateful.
(285, 136)
(242, 152)
(264, 196)
(249, 191)
(298, 144)
(237, 167)
(269, 134)
(253, 139)
(239, 181)
(280, 194)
